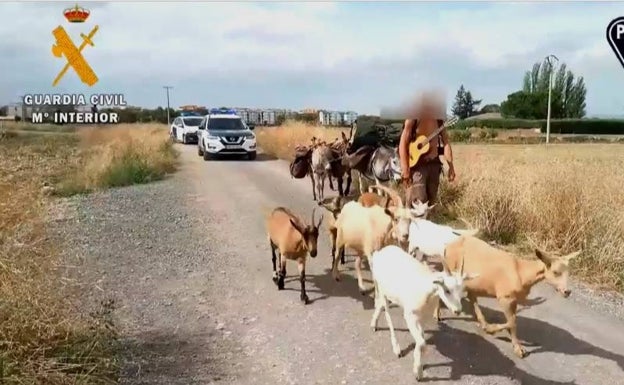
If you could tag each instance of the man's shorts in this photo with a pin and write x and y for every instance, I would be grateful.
(425, 182)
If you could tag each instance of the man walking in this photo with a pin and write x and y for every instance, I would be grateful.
(422, 181)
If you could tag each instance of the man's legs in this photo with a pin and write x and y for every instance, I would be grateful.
(433, 181)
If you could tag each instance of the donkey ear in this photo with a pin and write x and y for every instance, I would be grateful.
(344, 137)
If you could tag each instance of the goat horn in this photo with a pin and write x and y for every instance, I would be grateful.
(461, 268)
(391, 193)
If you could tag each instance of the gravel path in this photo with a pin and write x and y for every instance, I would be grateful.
(188, 264)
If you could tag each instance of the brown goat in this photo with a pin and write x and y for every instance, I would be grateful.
(505, 277)
(369, 199)
(293, 239)
(334, 206)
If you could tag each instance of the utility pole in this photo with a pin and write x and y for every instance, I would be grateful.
(168, 88)
(549, 59)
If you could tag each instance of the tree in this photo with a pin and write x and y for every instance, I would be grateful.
(4, 110)
(569, 92)
(465, 105)
(489, 108)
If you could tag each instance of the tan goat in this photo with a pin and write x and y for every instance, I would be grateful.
(334, 206)
(505, 277)
(293, 239)
(369, 199)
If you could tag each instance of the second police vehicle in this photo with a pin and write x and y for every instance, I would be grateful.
(184, 128)
(223, 132)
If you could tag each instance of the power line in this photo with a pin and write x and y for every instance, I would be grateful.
(168, 88)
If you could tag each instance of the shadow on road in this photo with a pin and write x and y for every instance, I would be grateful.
(471, 354)
(550, 338)
(241, 158)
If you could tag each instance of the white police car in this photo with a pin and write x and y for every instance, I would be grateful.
(184, 128)
(223, 132)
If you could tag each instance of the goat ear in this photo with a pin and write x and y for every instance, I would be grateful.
(467, 277)
(544, 257)
(431, 206)
(571, 256)
(297, 227)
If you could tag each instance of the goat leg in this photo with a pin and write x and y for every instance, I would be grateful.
(313, 185)
(419, 338)
(349, 180)
(331, 184)
(304, 296)
(282, 273)
(358, 270)
(477, 311)
(339, 182)
(274, 260)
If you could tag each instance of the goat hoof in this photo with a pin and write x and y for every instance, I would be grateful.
(280, 285)
(305, 299)
(520, 352)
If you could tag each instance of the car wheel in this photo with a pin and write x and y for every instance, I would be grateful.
(251, 155)
(206, 155)
(199, 151)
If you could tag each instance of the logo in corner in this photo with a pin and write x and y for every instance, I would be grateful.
(65, 47)
(615, 37)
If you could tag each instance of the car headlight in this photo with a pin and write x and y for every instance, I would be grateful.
(250, 136)
(212, 137)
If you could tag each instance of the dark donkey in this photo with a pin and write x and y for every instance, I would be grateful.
(339, 150)
(374, 164)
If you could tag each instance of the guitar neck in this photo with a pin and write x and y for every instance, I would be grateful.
(435, 133)
(440, 129)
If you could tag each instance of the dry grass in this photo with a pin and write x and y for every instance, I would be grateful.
(118, 156)
(44, 337)
(560, 197)
(281, 141)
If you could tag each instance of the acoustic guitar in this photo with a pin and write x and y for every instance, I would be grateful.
(420, 146)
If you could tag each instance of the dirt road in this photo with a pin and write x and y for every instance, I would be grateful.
(188, 263)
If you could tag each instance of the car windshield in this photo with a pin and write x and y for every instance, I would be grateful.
(192, 121)
(226, 124)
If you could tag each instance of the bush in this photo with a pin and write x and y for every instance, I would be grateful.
(459, 135)
(585, 126)
(504, 124)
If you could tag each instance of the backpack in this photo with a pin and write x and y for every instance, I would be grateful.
(300, 166)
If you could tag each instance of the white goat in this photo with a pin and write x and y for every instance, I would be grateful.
(367, 229)
(430, 239)
(401, 279)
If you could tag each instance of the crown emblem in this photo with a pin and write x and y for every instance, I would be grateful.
(76, 14)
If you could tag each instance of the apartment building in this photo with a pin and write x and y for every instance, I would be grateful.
(336, 118)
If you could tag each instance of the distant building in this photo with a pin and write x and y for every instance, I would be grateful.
(336, 118)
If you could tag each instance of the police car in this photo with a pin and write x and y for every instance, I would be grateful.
(184, 128)
(223, 132)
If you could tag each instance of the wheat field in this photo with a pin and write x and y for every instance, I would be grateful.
(46, 337)
(560, 197)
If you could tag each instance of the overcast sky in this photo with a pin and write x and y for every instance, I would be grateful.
(347, 56)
